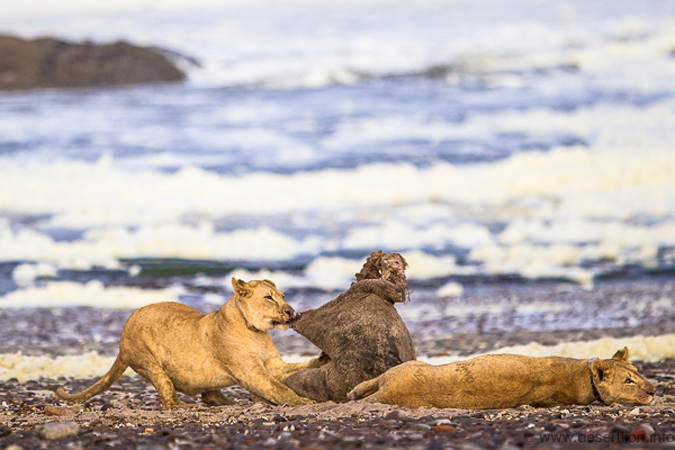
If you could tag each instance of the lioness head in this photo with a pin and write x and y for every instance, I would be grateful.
(618, 381)
(262, 305)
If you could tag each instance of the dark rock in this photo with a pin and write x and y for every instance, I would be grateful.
(550, 427)
(51, 63)
(5, 430)
(620, 429)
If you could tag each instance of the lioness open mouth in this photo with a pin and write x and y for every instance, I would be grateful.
(281, 322)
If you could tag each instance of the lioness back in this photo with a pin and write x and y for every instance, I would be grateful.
(155, 323)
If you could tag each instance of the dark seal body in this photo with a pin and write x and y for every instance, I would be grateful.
(361, 332)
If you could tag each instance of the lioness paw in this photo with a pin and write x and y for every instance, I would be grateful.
(303, 401)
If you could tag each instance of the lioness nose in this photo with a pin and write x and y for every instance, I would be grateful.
(650, 389)
(289, 311)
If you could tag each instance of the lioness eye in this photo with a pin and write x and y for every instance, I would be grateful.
(629, 381)
(270, 299)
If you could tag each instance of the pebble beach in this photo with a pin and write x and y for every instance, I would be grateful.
(129, 414)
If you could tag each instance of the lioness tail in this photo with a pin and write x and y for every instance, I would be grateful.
(101, 385)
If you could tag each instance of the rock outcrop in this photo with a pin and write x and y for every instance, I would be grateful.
(51, 63)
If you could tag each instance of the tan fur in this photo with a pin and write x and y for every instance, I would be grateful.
(508, 381)
(177, 348)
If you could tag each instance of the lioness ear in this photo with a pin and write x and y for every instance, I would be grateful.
(621, 355)
(271, 282)
(240, 287)
(600, 369)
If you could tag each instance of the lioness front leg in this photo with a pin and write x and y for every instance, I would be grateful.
(281, 370)
(263, 384)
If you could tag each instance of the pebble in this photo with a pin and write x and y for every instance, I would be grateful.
(642, 433)
(416, 426)
(100, 429)
(634, 411)
(396, 415)
(470, 446)
(5, 430)
(620, 429)
(58, 430)
(443, 428)
(550, 427)
(52, 410)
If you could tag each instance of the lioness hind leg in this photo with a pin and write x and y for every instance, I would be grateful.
(376, 398)
(364, 389)
(163, 385)
(217, 398)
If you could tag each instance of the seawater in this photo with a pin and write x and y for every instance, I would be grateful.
(481, 140)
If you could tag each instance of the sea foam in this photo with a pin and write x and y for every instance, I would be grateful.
(91, 365)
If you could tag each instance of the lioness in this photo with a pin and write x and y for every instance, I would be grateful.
(508, 381)
(177, 348)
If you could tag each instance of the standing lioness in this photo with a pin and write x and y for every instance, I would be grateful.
(177, 348)
(508, 381)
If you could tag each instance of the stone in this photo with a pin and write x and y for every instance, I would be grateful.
(443, 428)
(52, 410)
(5, 430)
(642, 433)
(395, 415)
(470, 446)
(416, 426)
(58, 430)
(52, 63)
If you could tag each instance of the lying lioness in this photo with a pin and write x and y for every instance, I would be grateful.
(178, 348)
(508, 381)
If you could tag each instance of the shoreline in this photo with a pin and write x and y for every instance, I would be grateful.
(128, 414)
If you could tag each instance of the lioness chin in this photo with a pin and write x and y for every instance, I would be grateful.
(508, 381)
(177, 348)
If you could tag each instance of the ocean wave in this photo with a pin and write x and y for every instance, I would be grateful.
(93, 294)
(642, 348)
(534, 214)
